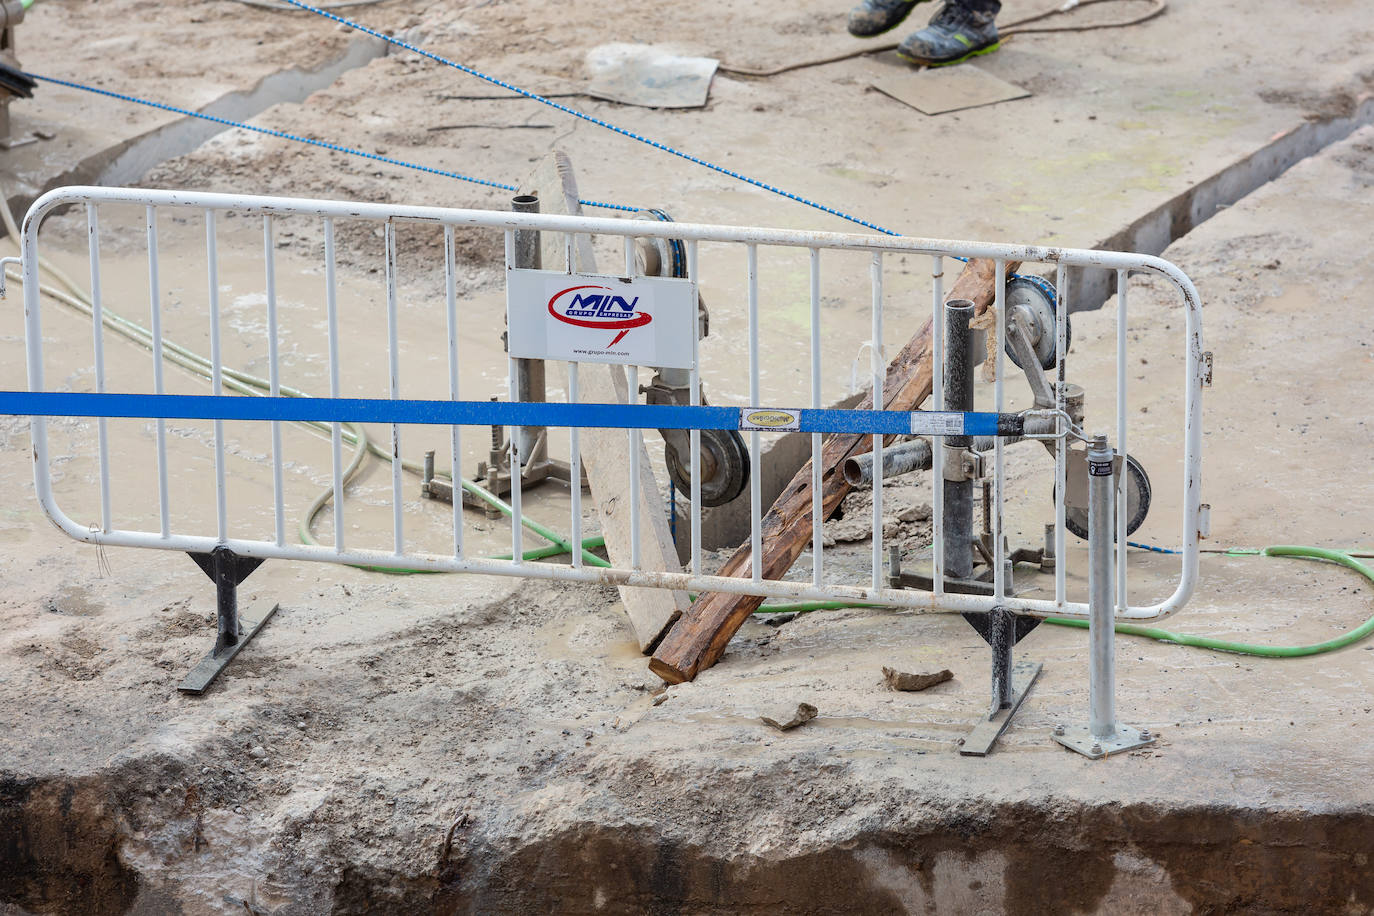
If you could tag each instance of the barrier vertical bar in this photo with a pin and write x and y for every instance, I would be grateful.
(817, 446)
(331, 304)
(514, 457)
(394, 387)
(1061, 451)
(575, 472)
(999, 578)
(755, 487)
(632, 397)
(164, 510)
(98, 330)
(937, 452)
(694, 437)
(1122, 503)
(455, 431)
(878, 364)
(274, 377)
(216, 373)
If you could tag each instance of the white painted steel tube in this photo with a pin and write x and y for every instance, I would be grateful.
(575, 472)
(755, 484)
(216, 372)
(878, 366)
(98, 335)
(999, 573)
(155, 295)
(937, 382)
(331, 311)
(516, 459)
(817, 440)
(1061, 445)
(455, 432)
(694, 437)
(1122, 501)
(274, 377)
(393, 364)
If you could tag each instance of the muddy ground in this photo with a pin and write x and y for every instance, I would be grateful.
(466, 744)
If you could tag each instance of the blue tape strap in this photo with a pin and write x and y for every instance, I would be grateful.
(447, 413)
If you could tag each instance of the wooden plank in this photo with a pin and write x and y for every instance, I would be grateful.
(605, 452)
(699, 638)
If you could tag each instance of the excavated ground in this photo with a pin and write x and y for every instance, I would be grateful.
(464, 744)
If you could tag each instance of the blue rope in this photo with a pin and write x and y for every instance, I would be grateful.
(1151, 548)
(586, 117)
(320, 143)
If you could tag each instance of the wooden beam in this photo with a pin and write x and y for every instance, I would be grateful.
(699, 638)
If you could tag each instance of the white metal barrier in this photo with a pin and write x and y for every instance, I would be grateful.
(209, 209)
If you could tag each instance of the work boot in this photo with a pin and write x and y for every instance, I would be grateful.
(955, 34)
(874, 17)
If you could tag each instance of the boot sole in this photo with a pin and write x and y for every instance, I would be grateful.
(949, 63)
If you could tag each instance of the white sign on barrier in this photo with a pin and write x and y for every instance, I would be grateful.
(642, 321)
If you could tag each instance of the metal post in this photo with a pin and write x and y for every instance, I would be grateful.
(1101, 633)
(1104, 735)
(529, 373)
(958, 488)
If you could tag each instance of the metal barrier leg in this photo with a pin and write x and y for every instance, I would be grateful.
(226, 569)
(1103, 734)
(1011, 680)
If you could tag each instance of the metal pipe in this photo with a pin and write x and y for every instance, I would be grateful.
(958, 494)
(899, 459)
(529, 373)
(1101, 626)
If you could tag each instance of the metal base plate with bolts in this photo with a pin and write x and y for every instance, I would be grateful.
(979, 742)
(1123, 738)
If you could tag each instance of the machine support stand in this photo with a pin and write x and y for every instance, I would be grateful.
(226, 569)
(530, 447)
(1103, 734)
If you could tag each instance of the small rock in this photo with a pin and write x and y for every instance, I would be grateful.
(805, 713)
(258, 752)
(919, 513)
(901, 680)
(777, 620)
(660, 699)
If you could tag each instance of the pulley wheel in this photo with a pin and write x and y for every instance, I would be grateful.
(1137, 501)
(1036, 297)
(724, 467)
(660, 257)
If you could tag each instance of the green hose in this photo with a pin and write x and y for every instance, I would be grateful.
(1242, 648)
(1342, 558)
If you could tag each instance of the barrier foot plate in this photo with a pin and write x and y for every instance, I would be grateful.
(1123, 738)
(979, 742)
(204, 674)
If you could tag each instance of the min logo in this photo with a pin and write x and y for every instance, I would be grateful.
(598, 307)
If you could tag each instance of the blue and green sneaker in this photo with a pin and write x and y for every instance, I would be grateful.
(955, 34)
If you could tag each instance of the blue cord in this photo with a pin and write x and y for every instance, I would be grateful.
(586, 117)
(320, 143)
(1151, 548)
